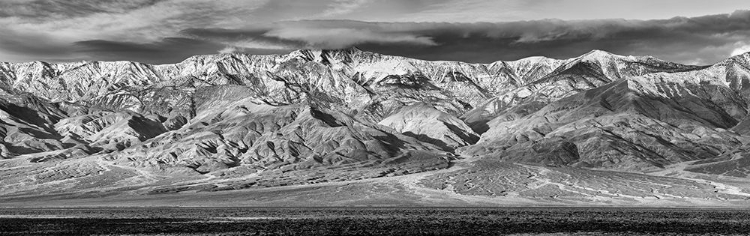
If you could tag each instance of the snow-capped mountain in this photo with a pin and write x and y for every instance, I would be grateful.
(234, 121)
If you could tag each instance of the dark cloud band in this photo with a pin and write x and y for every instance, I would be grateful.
(44, 9)
(710, 38)
(164, 51)
(696, 40)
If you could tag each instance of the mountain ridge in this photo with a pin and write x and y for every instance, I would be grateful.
(238, 121)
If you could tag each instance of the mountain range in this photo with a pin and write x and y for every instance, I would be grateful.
(350, 127)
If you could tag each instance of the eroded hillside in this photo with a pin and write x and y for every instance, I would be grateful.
(236, 121)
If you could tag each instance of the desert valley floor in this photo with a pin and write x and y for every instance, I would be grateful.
(483, 184)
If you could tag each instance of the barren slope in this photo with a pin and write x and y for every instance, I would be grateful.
(591, 129)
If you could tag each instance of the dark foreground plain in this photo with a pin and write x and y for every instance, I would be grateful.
(374, 221)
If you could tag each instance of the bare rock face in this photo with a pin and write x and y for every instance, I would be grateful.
(426, 123)
(26, 126)
(232, 121)
(261, 136)
(635, 124)
(111, 131)
(591, 70)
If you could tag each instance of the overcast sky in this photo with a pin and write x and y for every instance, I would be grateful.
(168, 31)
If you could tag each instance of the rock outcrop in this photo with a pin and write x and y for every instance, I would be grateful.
(428, 124)
(304, 117)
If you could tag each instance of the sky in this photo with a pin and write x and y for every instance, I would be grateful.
(168, 31)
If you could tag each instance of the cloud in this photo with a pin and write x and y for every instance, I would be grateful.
(346, 37)
(50, 29)
(31, 45)
(326, 34)
(170, 30)
(524, 10)
(696, 40)
(340, 7)
(248, 37)
(228, 50)
(166, 50)
(65, 8)
(741, 48)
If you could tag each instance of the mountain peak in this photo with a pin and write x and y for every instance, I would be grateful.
(604, 57)
(325, 55)
(598, 55)
(744, 55)
(236, 121)
(599, 52)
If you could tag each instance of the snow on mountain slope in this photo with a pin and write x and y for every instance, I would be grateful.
(425, 123)
(651, 120)
(367, 85)
(588, 71)
(235, 121)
